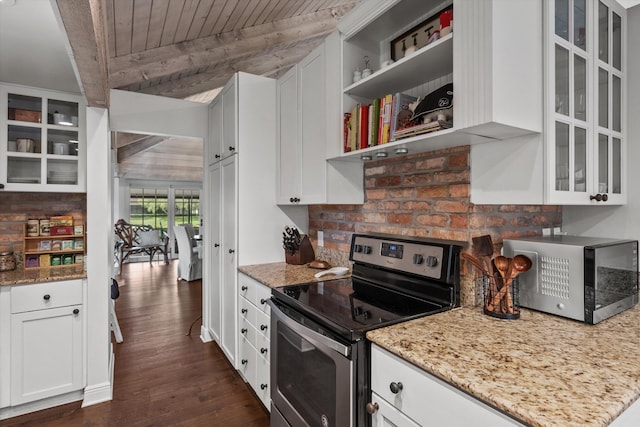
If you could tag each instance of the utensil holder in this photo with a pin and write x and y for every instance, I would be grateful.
(303, 255)
(499, 301)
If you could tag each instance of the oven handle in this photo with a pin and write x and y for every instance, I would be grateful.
(308, 334)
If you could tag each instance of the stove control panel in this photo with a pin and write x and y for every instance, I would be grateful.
(416, 258)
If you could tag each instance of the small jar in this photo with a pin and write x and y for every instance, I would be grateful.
(33, 227)
(7, 261)
(44, 227)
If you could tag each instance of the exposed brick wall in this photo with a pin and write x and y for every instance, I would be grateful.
(16, 208)
(427, 195)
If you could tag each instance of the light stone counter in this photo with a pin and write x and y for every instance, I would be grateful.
(541, 369)
(21, 276)
(282, 274)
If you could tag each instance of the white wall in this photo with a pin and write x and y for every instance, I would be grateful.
(621, 221)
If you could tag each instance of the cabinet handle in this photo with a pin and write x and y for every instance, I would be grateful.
(76, 311)
(244, 311)
(47, 297)
(244, 288)
(395, 387)
(263, 301)
(217, 156)
(232, 148)
(263, 350)
(216, 245)
(599, 197)
(372, 408)
(263, 327)
(1, 186)
(231, 251)
(294, 199)
(263, 386)
(244, 361)
(243, 331)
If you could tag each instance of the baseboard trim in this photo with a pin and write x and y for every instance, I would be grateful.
(103, 392)
(50, 402)
(205, 334)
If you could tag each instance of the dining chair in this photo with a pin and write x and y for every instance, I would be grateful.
(189, 264)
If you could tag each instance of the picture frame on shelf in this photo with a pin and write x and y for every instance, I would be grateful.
(421, 35)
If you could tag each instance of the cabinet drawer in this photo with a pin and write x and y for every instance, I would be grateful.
(263, 347)
(247, 288)
(45, 295)
(248, 312)
(248, 333)
(263, 293)
(387, 415)
(263, 323)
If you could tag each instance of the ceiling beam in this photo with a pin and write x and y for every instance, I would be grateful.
(141, 144)
(85, 23)
(201, 53)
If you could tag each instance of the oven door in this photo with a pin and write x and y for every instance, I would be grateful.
(312, 375)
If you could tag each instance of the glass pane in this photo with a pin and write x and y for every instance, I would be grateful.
(22, 170)
(149, 206)
(562, 19)
(616, 104)
(616, 166)
(62, 142)
(187, 207)
(617, 42)
(603, 98)
(24, 108)
(579, 24)
(603, 163)
(562, 80)
(580, 159)
(603, 33)
(60, 171)
(562, 156)
(24, 139)
(580, 87)
(62, 113)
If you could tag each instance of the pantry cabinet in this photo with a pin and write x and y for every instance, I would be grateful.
(403, 394)
(42, 140)
(492, 57)
(309, 129)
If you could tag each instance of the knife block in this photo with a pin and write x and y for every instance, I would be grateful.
(303, 255)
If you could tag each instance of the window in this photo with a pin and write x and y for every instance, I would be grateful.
(187, 207)
(149, 206)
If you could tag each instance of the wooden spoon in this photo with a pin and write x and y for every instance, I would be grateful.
(476, 263)
(519, 264)
(502, 264)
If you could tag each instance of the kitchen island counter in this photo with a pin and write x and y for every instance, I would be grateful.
(282, 274)
(22, 276)
(541, 369)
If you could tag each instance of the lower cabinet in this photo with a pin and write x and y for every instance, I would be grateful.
(253, 328)
(46, 340)
(403, 394)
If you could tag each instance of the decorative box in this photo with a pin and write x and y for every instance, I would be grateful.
(78, 230)
(56, 245)
(32, 261)
(78, 244)
(67, 245)
(64, 220)
(56, 259)
(67, 259)
(61, 230)
(45, 260)
(45, 245)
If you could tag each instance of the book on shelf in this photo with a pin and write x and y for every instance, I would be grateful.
(386, 118)
(353, 128)
(375, 122)
(401, 113)
(346, 123)
(422, 128)
(363, 121)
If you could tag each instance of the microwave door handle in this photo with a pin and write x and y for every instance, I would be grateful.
(312, 336)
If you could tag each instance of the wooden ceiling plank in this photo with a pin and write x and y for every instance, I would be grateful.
(186, 20)
(156, 23)
(166, 60)
(212, 18)
(171, 22)
(85, 23)
(249, 10)
(277, 11)
(111, 28)
(123, 14)
(232, 22)
(267, 11)
(295, 5)
(199, 19)
(140, 27)
(140, 145)
(306, 7)
(255, 14)
(224, 17)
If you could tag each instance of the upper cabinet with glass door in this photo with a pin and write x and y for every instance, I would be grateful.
(41, 140)
(586, 102)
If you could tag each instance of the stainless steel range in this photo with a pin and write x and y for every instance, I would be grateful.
(320, 364)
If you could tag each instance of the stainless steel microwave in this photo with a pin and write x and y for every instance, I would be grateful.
(583, 278)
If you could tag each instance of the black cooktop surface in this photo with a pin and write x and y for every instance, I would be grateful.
(351, 313)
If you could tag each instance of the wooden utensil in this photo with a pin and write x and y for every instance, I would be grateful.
(476, 263)
(502, 265)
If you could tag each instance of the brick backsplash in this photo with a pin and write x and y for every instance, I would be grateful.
(16, 208)
(427, 195)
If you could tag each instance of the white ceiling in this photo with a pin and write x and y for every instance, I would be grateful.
(32, 47)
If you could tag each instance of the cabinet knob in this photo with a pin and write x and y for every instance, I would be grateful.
(395, 387)
(244, 361)
(294, 199)
(244, 311)
(263, 301)
(232, 148)
(244, 288)
(76, 311)
(599, 197)
(231, 251)
(263, 327)
(217, 156)
(263, 350)
(216, 245)
(243, 331)
(46, 297)
(1, 186)
(372, 408)
(263, 386)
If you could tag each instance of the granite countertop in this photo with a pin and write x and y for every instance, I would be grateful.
(21, 276)
(542, 369)
(282, 274)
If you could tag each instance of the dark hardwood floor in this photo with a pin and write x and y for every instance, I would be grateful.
(162, 376)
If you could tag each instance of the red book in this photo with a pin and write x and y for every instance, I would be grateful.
(364, 127)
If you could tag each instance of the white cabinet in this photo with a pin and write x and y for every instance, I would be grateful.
(47, 340)
(42, 140)
(253, 327)
(401, 390)
(491, 55)
(214, 151)
(309, 129)
(243, 225)
(585, 136)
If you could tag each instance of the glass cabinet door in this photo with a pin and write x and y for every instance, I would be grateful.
(42, 139)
